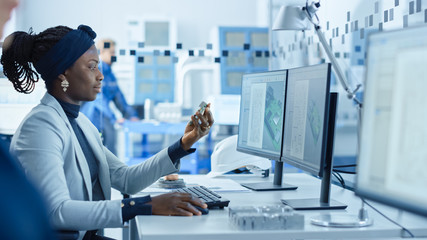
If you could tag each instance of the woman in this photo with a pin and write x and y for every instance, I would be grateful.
(62, 151)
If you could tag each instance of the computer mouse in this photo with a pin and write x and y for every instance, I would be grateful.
(204, 211)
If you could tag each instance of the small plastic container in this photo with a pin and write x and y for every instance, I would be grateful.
(266, 218)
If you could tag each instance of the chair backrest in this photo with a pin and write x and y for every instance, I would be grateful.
(23, 214)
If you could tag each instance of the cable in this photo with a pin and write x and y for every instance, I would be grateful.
(342, 171)
(340, 178)
(391, 220)
(343, 166)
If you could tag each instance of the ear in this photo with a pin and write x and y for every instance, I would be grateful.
(62, 77)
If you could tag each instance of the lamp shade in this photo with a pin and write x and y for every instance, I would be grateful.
(291, 18)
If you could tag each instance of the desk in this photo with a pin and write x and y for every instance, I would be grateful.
(216, 224)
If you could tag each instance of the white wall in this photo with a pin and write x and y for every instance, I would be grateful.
(335, 14)
(194, 21)
(194, 18)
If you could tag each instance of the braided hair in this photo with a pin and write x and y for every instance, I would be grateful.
(21, 50)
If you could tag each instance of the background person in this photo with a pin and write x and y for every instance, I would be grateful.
(99, 111)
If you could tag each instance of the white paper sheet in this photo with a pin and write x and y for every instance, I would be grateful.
(214, 184)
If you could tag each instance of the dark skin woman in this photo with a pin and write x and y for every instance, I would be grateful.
(62, 151)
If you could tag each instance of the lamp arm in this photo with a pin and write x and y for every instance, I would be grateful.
(310, 11)
(340, 75)
(337, 69)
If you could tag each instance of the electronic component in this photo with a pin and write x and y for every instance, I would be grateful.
(171, 184)
(202, 108)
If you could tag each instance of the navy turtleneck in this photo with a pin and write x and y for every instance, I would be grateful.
(131, 206)
(72, 112)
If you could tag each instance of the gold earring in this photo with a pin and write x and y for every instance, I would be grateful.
(65, 84)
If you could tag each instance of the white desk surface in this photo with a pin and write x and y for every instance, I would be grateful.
(216, 224)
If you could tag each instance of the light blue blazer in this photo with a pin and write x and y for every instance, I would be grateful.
(48, 149)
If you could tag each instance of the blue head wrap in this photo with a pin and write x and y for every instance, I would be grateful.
(65, 52)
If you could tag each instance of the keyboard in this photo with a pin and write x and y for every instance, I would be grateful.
(211, 198)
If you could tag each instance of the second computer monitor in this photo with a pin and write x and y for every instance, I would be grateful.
(307, 99)
(309, 130)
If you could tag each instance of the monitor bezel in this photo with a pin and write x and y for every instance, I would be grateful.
(296, 163)
(249, 150)
(364, 192)
(393, 202)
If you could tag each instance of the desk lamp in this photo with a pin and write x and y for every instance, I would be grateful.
(301, 18)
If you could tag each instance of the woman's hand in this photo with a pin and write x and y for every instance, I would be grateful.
(197, 128)
(176, 204)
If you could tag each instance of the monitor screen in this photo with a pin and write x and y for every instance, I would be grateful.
(308, 135)
(261, 114)
(307, 104)
(392, 162)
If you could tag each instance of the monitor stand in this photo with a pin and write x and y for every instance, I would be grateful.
(271, 186)
(343, 220)
(324, 202)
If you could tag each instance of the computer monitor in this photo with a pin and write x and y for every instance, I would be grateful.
(392, 162)
(261, 122)
(309, 130)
